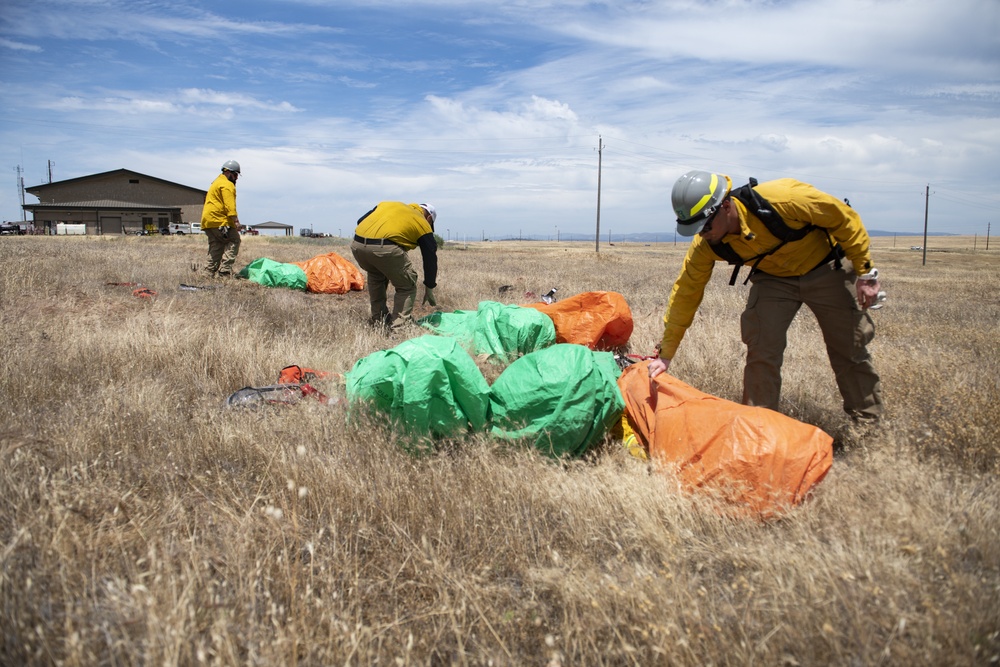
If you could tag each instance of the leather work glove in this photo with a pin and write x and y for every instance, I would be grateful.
(429, 296)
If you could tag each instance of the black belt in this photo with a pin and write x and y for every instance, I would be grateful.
(362, 240)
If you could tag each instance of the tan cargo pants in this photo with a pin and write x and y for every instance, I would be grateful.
(222, 250)
(847, 330)
(387, 264)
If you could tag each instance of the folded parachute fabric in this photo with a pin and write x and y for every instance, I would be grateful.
(502, 331)
(564, 398)
(429, 385)
(758, 460)
(331, 274)
(270, 273)
(598, 320)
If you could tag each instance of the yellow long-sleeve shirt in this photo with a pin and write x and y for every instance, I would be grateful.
(400, 223)
(799, 204)
(220, 203)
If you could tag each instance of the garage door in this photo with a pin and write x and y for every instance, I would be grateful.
(111, 225)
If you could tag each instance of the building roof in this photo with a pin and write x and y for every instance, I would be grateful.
(271, 224)
(35, 189)
(101, 204)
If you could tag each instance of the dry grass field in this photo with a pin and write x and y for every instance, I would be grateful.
(141, 523)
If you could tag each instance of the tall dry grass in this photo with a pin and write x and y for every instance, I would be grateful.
(143, 524)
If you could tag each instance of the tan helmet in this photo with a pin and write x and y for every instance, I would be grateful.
(696, 196)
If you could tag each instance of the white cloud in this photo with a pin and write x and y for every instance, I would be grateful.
(199, 96)
(492, 110)
(19, 46)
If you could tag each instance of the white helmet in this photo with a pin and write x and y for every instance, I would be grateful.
(431, 211)
(231, 165)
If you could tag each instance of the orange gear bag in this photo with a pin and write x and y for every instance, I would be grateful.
(599, 320)
(756, 459)
(331, 274)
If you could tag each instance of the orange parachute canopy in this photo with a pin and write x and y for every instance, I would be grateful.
(754, 458)
(599, 320)
(331, 274)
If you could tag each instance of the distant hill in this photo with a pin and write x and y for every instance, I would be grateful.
(879, 232)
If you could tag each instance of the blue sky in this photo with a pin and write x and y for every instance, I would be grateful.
(492, 110)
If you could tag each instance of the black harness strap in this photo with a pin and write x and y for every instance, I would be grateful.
(726, 253)
(776, 225)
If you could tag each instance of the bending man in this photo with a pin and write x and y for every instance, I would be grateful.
(793, 236)
(382, 241)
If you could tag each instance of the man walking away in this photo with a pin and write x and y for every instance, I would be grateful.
(220, 222)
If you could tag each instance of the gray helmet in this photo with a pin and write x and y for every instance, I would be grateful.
(231, 165)
(695, 197)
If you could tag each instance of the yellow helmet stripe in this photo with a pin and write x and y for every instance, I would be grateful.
(696, 209)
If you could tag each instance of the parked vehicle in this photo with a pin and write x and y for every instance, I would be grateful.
(184, 228)
(12, 228)
(70, 229)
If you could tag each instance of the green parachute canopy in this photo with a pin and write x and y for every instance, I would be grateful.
(429, 385)
(270, 273)
(502, 331)
(564, 398)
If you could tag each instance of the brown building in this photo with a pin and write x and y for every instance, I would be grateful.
(115, 202)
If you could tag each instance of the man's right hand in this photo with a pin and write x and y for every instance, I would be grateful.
(657, 366)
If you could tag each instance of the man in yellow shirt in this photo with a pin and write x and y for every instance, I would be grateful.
(382, 241)
(793, 236)
(220, 222)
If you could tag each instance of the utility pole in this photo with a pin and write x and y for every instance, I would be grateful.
(20, 190)
(597, 234)
(987, 236)
(50, 171)
(927, 198)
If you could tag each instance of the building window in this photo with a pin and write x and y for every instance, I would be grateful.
(133, 180)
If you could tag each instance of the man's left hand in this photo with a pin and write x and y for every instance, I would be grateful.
(868, 289)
